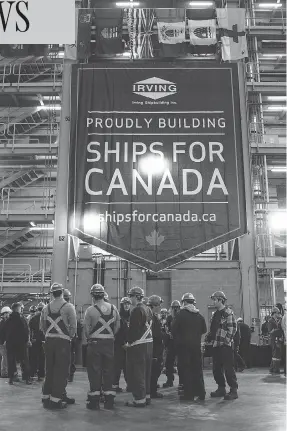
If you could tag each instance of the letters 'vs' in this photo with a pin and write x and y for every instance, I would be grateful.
(21, 9)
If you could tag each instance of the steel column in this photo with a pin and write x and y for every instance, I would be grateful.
(61, 249)
(247, 242)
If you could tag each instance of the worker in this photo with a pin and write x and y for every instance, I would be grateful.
(223, 328)
(170, 347)
(187, 329)
(245, 339)
(16, 335)
(154, 303)
(32, 312)
(101, 323)
(67, 297)
(120, 341)
(37, 338)
(163, 316)
(59, 324)
(4, 314)
(139, 349)
(276, 337)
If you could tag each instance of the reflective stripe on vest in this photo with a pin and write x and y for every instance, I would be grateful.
(103, 325)
(146, 337)
(56, 328)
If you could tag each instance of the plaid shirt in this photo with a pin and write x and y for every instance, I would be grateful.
(227, 329)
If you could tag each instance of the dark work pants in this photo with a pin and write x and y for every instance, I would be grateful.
(119, 364)
(37, 359)
(170, 360)
(223, 364)
(139, 362)
(18, 354)
(244, 352)
(238, 361)
(100, 366)
(155, 373)
(84, 355)
(58, 356)
(190, 363)
(73, 358)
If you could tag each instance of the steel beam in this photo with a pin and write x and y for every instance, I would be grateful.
(266, 30)
(39, 217)
(247, 254)
(8, 287)
(266, 87)
(268, 149)
(30, 149)
(271, 263)
(31, 88)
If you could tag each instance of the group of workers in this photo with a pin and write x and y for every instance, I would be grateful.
(131, 341)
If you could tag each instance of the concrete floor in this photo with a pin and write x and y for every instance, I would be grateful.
(261, 405)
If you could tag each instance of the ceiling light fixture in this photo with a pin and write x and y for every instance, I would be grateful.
(41, 228)
(274, 55)
(50, 108)
(276, 108)
(269, 5)
(201, 4)
(278, 169)
(127, 4)
(276, 98)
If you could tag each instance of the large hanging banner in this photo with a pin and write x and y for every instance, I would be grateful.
(156, 171)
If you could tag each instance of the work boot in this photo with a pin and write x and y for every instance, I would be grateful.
(232, 395)
(186, 397)
(168, 384)
(93, 402)
(71, 378)
(57, 405)
(68, 400)
(46, 403)
(220, 392)
(117, 389)
(109, 402)
(180, 388)
(29, 382)
(148, 401)
(156, 395)
(11, 381)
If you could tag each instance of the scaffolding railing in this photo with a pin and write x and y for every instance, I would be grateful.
(266, 17)
(43, 204)
(25, 72)
(257, 69)
(26, 273)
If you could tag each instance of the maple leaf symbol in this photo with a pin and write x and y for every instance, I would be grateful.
(154, 238)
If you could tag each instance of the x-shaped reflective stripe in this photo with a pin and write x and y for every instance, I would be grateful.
(54, 324)
(106, 325)
(147, 331)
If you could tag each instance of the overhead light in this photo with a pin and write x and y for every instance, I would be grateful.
(278, 221)
(50, 108)
(32, 223)
(41, 228)
(279, 169)
(274, 55)
(269, 5)
(127, 4)
(51, 97)
(201, 4)
(276, 98)
(277, 108)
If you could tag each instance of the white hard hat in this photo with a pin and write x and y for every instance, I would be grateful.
(6, 310)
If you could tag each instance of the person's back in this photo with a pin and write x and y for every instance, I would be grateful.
(245, 334)
(34, 326)
(16, 330)
(188, 326)
(58, 306)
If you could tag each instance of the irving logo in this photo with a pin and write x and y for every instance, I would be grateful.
(154, 88)
(20, 9)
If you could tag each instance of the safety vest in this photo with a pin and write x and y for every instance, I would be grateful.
(104, 327)
(147, 335)
(56, 328)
